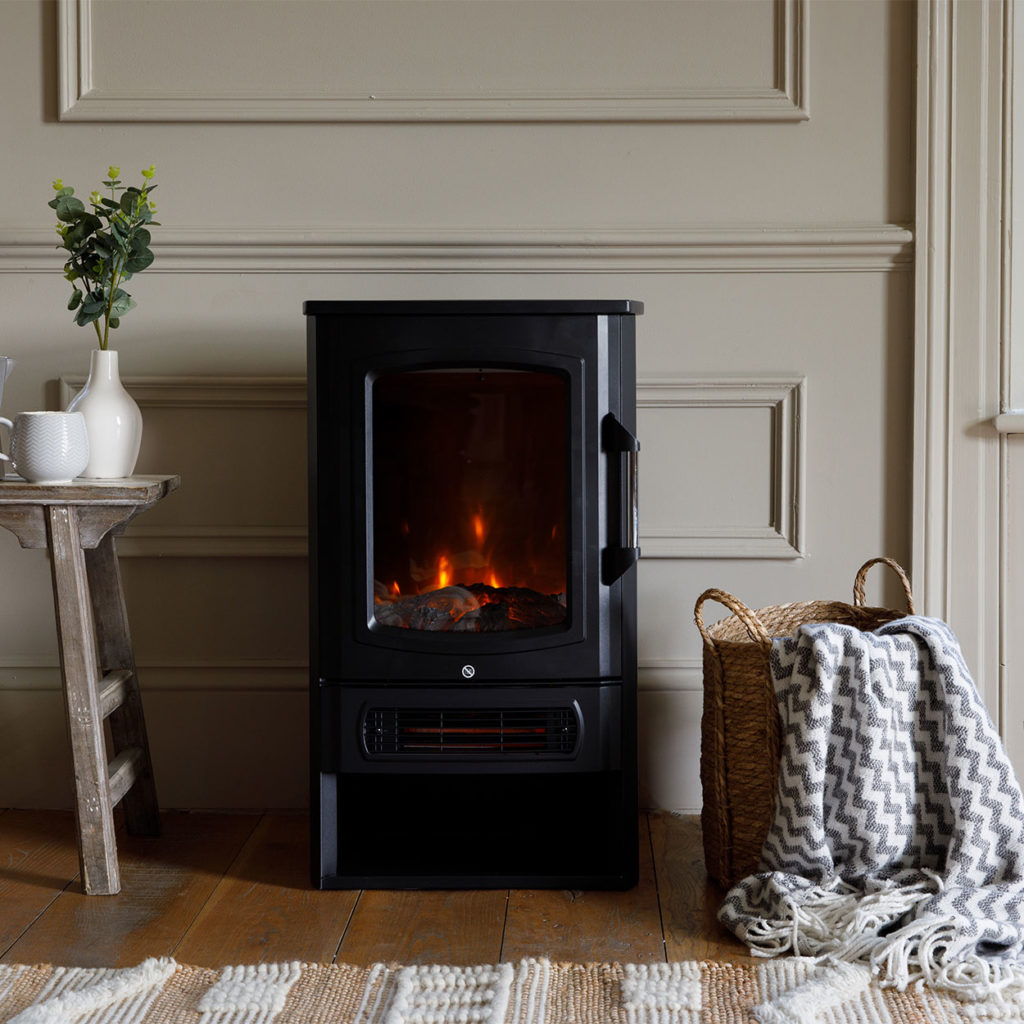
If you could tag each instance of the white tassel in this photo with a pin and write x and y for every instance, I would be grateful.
(837, 919)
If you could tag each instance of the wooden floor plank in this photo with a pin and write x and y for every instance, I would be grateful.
(165, 881)
(265, 910)
(425, 927)
(38, 859)
(218, 889)
(689, 899)
(587, 927)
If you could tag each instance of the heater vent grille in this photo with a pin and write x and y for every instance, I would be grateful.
(472, 733)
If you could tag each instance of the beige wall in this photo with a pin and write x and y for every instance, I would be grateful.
(741, 167)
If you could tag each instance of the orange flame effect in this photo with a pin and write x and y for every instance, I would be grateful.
(473, 564)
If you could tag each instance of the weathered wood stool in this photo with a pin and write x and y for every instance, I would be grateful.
(77, 523)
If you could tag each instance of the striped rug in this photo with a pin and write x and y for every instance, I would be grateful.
(785, 991)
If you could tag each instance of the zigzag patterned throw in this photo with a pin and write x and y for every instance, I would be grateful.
(898, 833)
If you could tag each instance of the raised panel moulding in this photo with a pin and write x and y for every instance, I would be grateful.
(42, 672)
(186, 392)
(839, 248)
(784, 98)
(671, 674)
(208, 541)
(780, 537)
(1009, 423)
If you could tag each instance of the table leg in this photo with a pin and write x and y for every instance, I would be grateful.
(97, 845)
(127, 722)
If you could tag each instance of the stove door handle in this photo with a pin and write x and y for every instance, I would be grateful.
(623, 500)
(633, 497)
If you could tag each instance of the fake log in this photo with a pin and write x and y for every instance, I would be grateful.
(473, 608)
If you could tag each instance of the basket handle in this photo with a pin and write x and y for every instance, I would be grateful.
(858, 583)
(754, 625)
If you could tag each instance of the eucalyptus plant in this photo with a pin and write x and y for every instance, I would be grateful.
(108, 244)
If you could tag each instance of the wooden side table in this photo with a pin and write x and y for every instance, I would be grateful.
(77, 523)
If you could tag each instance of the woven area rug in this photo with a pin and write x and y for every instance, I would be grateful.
(785, 991)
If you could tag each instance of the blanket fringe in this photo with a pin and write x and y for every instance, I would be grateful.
(841, 924)
(824, 919)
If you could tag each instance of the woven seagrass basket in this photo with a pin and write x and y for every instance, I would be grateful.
(739, 752)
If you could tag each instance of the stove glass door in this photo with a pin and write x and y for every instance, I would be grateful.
(470, 509)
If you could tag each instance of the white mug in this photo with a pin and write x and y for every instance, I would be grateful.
(48, 447)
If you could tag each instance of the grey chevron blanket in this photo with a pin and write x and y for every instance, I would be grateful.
(898, 834)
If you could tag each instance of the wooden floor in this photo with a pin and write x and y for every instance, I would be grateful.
(217, 889)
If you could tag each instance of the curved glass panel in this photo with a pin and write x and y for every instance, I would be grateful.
(470, 470)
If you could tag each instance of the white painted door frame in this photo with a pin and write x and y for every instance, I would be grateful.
(961, 328)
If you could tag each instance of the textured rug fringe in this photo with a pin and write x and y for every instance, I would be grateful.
(102, 988)
(832, 986)
(786, 990)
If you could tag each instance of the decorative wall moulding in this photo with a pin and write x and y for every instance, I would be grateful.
(142, 540)
(214, 542)
(781, 534)
(435, 85)
(204, 392)
(42, 673)
(670, 674)
(753, 248)
(1009, 423)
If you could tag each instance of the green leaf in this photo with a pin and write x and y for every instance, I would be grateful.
(77, 235)
(115, 322)
(110, 204)
(128, 199)
(82, 317)
(141, 240)
(76, 299)
(123, 302)
(69, 208)
(139, 263)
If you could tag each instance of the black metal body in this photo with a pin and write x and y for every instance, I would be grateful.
(561, 810)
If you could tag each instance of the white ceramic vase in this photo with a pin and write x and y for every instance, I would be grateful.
(112, 420)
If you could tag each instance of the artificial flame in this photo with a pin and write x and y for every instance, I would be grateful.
(472, 564)
(444, 576)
